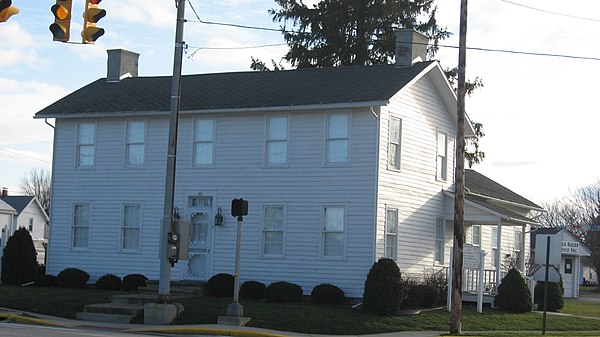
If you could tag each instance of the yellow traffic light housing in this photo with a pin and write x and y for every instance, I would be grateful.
(91, 15)
(62, 20)
(6, 10)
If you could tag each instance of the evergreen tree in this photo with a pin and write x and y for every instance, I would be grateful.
(19, 263)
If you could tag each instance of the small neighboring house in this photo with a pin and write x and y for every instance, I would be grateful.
(28, 214)
(571, 268)
(341, 166)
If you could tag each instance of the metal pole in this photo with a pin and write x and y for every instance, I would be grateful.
(235, 309)
(459, 182)
(546, 284)
(164, 285)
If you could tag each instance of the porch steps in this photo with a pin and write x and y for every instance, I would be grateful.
(121, 309)
(184, 288)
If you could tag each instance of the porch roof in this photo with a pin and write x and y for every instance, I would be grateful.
(505, 214)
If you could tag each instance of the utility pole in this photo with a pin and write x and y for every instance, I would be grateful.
(164, 284)
(459, 181)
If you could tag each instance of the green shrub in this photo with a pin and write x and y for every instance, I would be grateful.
(513, 294)
(327, 294)
(108, 282)
(283, 292)
(48, 281)
(132, 281)
(420, 296)
(220, 285)
(19, 262)
(253, 289)
(439, 281)
(72, 278)
(555, 296)
(383, 288)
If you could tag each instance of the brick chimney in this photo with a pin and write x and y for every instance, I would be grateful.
(4, 192)
(121, 64)
(411, 47)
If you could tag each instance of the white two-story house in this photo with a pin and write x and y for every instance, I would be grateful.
(341, 166)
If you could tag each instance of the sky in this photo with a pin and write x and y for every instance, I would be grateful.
(540, 113)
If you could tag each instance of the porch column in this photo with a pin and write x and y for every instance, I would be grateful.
(499, 245)
(523, 252)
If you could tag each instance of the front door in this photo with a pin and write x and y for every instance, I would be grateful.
(199, 258)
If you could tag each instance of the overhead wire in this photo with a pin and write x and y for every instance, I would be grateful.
(550, 12)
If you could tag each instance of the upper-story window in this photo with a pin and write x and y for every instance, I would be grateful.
(391, 233)
(80, 235)
(273, 231)
(334, 230)
(395, 133)
(86, 144)
(136, 143)
(277, 140)
(338, 132)
(442, 156)
(204, 141)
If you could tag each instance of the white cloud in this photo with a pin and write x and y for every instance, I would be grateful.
(149, 12)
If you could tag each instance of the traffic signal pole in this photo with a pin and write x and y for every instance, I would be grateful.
(164, 285)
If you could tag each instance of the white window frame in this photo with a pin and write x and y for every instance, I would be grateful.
(442, 156)
(328, 231)
(134, 141)
(85, 143)
(394, 144)
(476, 235)
(391, 234)
(81, 223)
(199, 141)
(332, 139)
(30, 228)
(440, 240)
(494, 246)
(518, 243)
(281, 230)
(272, 140)
(135, 226)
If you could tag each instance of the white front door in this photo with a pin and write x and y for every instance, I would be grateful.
(200, 234)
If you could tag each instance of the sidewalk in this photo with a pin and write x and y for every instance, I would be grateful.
(198, 329)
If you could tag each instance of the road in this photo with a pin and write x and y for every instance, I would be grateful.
(22, 330)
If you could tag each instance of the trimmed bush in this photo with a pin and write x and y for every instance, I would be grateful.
(327, 294)
(555, 296)
(19, 263)
(220, 285)
(513, 294)
(72, 278)
(283, 292)
(253, 290)
(131, 282)
(420, 296)
(383, 288)
(48, 281)
(108, 282)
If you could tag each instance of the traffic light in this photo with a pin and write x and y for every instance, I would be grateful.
(62, 20)
(6, 10)
(91, 15)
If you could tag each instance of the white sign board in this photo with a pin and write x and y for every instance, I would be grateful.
(570, 247)
(471, 256)
(553, 275)
(555, 248)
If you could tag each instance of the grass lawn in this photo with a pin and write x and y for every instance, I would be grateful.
(308, 318)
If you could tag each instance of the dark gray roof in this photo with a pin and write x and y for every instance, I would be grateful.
(477, 183)
(4, 207)
(510, 215)
(18, 202)
(240, 90)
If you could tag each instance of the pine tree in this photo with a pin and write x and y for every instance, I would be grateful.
(19, 262)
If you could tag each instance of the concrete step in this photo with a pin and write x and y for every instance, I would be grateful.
(99, 317)
(139, 299)
(116, 309)
(178, 288)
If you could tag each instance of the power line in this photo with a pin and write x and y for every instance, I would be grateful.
(527, 53)
(24, 156)
(551, 12)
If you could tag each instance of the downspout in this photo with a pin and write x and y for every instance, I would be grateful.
(376, 185)
(46, 121)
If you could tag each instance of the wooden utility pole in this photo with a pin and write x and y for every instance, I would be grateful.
(459, 181)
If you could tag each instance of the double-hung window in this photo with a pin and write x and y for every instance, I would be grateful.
(337, 143)
(476, 235)
(439, 241)
(334, 231)
(204, 140)
(395, 133)
(86, 144)
(273, 231)
(131, 227)
(442, 156)
(136, 140)
(277, 140)
(81, 226)
(495, 256)
(391, 234)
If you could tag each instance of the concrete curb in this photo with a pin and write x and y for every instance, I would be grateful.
(17, 318)
(208, 331)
